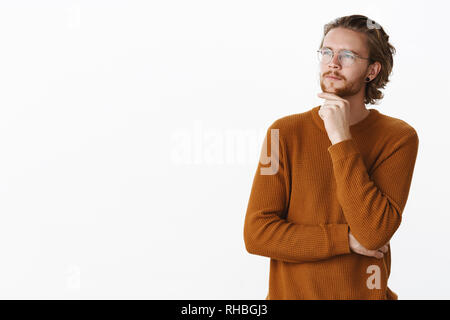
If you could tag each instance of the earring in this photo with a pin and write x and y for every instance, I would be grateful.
(367, 79)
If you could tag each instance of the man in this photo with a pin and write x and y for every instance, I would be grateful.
(339, 177)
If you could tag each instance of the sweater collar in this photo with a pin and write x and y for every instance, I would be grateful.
(359, 126)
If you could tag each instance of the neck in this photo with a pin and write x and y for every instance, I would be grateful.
(358, 110)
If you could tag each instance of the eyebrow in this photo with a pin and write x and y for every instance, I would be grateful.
(344, 50)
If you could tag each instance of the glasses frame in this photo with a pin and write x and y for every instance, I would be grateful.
(319, 52)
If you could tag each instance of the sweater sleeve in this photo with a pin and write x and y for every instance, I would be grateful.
(266, 230)
(373, 205)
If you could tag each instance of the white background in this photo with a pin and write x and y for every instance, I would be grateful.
(130, 133)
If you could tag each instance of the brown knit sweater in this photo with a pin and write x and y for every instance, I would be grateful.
(304, 202)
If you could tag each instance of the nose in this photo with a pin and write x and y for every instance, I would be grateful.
(334, 63)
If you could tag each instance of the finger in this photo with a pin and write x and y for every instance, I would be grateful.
(335, 101)
(320, 115)
(324, 110)
(334, 105)
(330, 104)
(375, 253)
(333, 98)
(328, 95)
(326, 106)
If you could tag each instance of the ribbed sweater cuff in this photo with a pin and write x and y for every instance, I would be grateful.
(339, 238)
(342, 149)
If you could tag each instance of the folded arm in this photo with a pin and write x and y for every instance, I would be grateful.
(373, 205)
(267, 232)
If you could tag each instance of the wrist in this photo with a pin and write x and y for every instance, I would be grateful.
(341, 138)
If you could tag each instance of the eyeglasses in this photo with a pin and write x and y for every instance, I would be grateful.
(346, 58)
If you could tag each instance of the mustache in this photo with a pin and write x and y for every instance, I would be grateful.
(333, 75)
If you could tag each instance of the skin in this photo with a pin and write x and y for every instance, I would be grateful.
(344, 99)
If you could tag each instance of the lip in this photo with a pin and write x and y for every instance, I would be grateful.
(334, 78)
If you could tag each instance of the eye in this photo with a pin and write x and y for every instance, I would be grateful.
(348, 55)
(326, 52)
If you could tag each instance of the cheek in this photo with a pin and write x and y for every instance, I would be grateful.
(356, 77)
(348, 78)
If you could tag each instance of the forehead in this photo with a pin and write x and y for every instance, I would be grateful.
(342, 38)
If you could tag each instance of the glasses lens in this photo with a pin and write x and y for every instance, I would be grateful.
(346, 58)
(325, 55)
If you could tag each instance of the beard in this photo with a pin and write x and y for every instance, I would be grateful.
(342, 90)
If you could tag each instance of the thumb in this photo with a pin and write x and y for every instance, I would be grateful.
(320, 114)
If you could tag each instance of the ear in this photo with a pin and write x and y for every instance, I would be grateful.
(374, 69)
